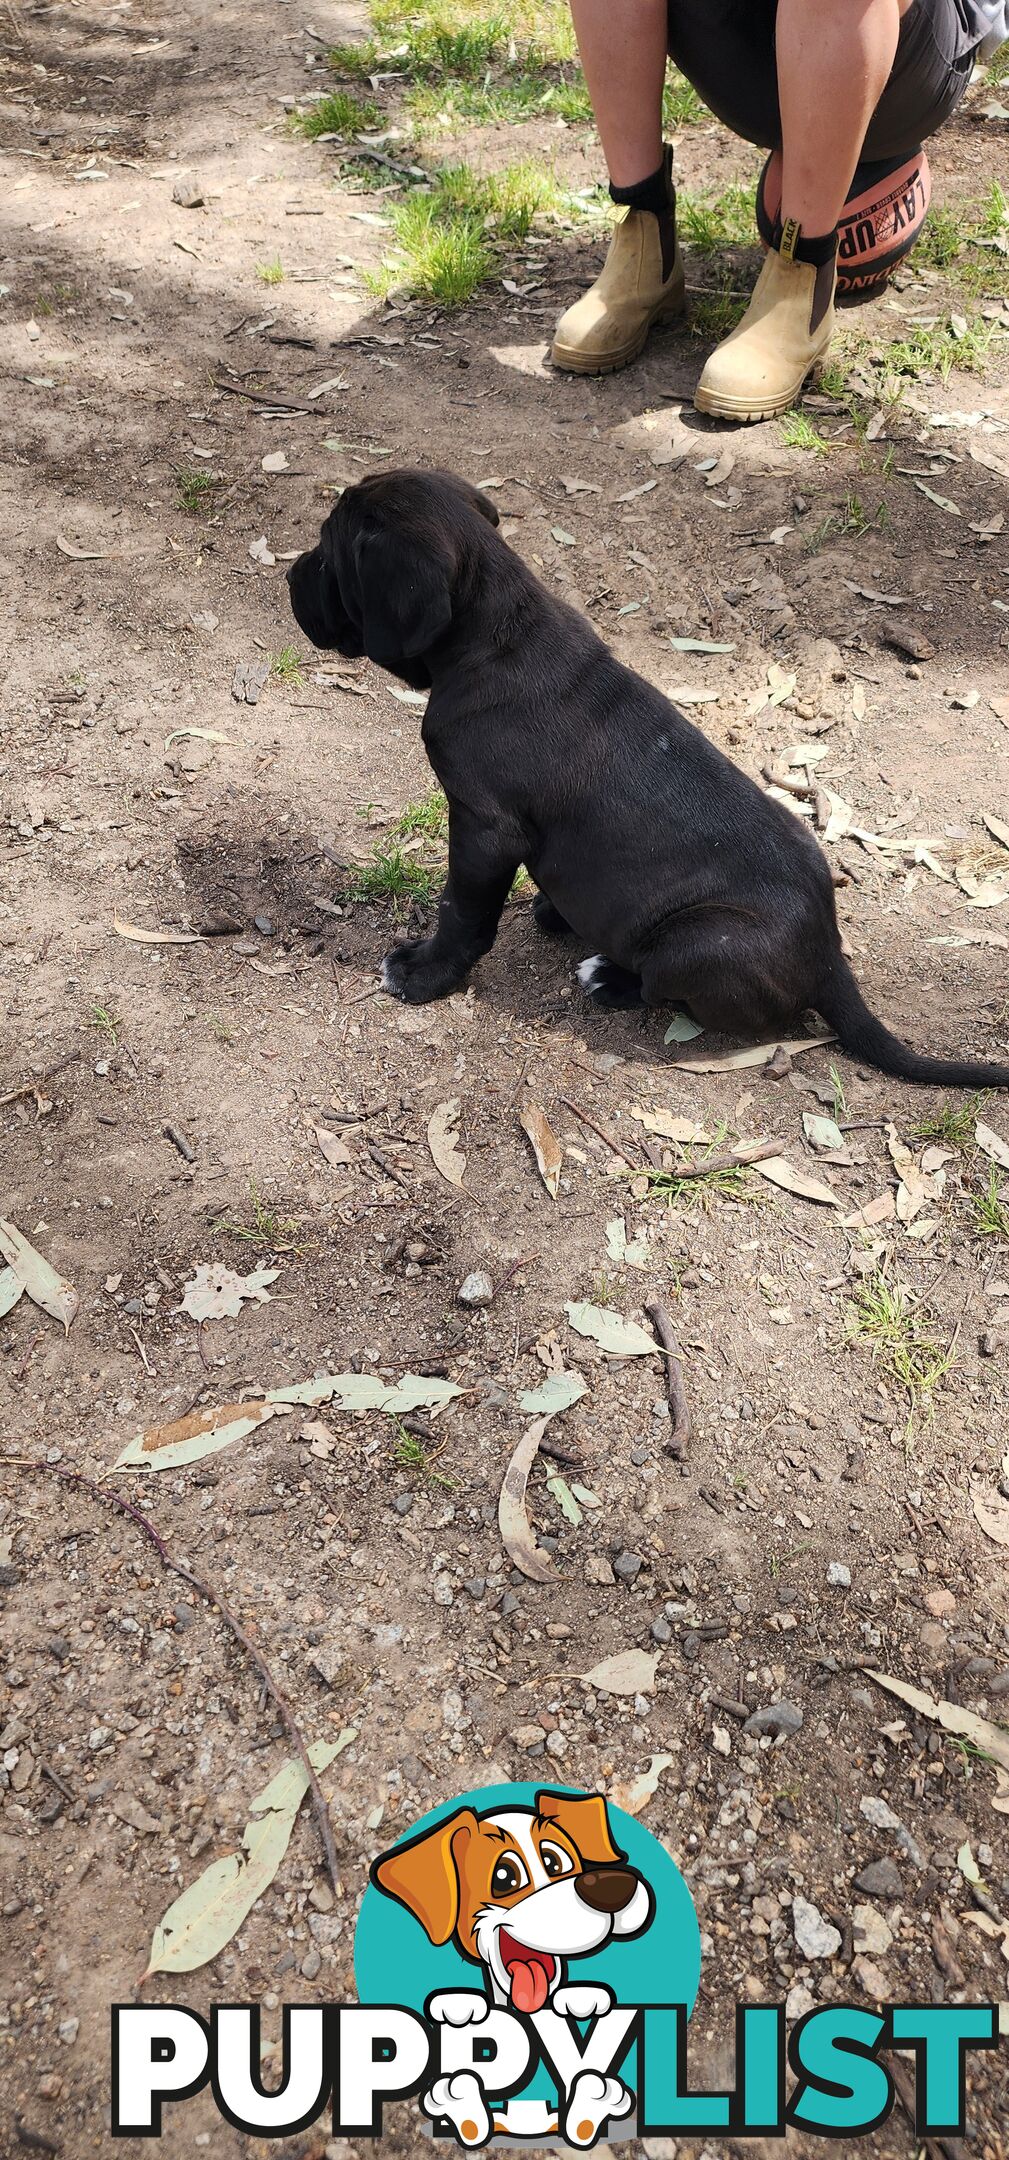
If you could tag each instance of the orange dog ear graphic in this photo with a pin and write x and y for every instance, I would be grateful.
(423, 1874)
(585, 1822)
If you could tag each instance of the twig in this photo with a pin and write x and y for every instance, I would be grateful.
(733, 1159)
(259, 397)
(387, 1168)
(142, 1354)
(178, 1140)
(55, 1779)
(600, 1134)
(213, 1597)
(34, 1087)
(675, 1390)
(526, 1261)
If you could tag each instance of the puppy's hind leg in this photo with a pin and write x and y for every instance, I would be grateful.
(727, 973)
(612, 987)
(548, 918)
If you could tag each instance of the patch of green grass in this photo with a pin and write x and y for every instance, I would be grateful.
(681, 106)
(270, 273)
(994, 214)
(392, 875)
(338, 113)
(107, 1022)
(411, 1454)
(937, 351)
(445, 234)
(508, 200)
(939, 242)
(219, 1029)
(429, 816)
(528, 94)
(883, 1315)
(715, 312)
(952, 1123)
(998, 67)
(991, 1210)
(513, 62)
(841, 1105)
(731, 1182)
(285, 667)
(196, 490)
(798, 433)
(263, 1228)
(709, 225)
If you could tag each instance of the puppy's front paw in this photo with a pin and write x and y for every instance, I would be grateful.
(409, 972)
(593, 2101)
(579, 2000)
(461, 2099)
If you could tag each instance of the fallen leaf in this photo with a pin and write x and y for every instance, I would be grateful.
(943, 501)
(995, 826)
(668, 1127)
(189, 1439)
(779, 1171)
(636, 1795)
(882, 1209)
(261, 552)
(1000, 1798)
(630, 1672)
(513, 1522)
(335, 1150)
(155, 937)
(992, 1512)
(66, 547)
(442, 1139)
(760, 1054)
(682, 1029)
(198, 1924)
(562, 1493)
(408, 697)
(967, 1864)
(217, 1293)
(554, 1394)
(275, 461)
(720, 472)
(619, 1338)
(545, 1145)
(574, 486)
(625, 1252)
(991, 1739)
(11, 1288)
(698, 644)
(821, 1132)
(563, 539)
(992, 1144)
(45, 1287)
(365, 1391)
(202, 734)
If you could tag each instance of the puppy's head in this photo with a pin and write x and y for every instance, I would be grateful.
(520, 1889)
(392, 559)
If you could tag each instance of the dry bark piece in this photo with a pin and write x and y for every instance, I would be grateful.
(513, 1521)
(545, 1145)
(443, 1141)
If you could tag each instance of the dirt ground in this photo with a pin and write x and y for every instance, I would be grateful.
(823, 1522)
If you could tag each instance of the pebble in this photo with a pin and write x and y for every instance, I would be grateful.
(880, 1879)
(99, 1737)
(528, 1736)
(68, 2030)
(798, 2002)
(311, 1964)
(871, 1930)
(263, 924)
(476, 1289)
(403, 1503)
(879, 1813)
(941, 1604)
(321, 1896)
(661, 1630)
(814, 1936)
(598, 1570)
(839, 1576)
(872, 1980)
(779, 1719)
(628, 1566)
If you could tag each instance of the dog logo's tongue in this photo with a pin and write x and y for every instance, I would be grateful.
(530, 1973)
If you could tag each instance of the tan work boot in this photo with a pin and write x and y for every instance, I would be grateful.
(641, 283)
(759, 369)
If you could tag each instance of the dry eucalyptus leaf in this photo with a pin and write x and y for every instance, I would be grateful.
(997, 829)
(189, 1439)
(11, 1288)
(261, 552)
(48, 1290)
(334, 1149)
(991, 1739)
(365, 1391)
(760, 1054)
(619, 1338)
(217, 1293)
(630, 1672)
(992, 1144)
(635, 1796)
(779, 1171)
(669, 1127)
(992, 1512)
(275, 461)
(545, 1145)
(880, 1210)
(204, 1918)
(822, 1132)
(513, 1522)
(77, 554)
(443, 1141)
(154, 937)
(625, 1251)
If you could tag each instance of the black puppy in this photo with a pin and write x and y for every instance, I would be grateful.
(692, 886)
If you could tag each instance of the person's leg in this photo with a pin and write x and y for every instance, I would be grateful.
(624, 60)
(623, 56)
(834, 61)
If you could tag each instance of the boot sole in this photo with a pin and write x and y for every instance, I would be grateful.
(723, 406)
(573, 362)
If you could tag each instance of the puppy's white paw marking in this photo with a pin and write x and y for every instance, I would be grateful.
(592, 2101)
(459, 2008)
(590, 972)
(461, 2099)
(388, 982)
(583, 2001)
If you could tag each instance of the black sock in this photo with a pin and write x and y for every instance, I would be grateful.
(654, 194)
(797, 246)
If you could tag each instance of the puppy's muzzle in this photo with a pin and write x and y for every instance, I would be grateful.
(606, 1890)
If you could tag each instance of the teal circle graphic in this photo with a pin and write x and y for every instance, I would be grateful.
(394, 1962)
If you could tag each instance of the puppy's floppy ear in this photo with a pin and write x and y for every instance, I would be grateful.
(315, 598)
(406, 595)
(423, 1874)
(585, 1822)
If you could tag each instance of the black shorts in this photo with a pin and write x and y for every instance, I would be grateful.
(726, 49)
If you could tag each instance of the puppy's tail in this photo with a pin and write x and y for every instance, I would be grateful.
(859, 1032)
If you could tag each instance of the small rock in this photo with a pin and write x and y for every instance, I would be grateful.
(881, 1879)
(839, 1576)
(321, 1896)
(879, 1813)
(263, 924)
(798, 2001)
(403, 1503)
(941, 1604)
(814, 1936)
(779, 1718)
(721, 1741)
(188, 193)
(598, 1570)
(477, 1289)
(628, 1566)
(872, 1980)
(871, 1931)
(68, 2030)
(99, 1737)
(661, 1630)
(528, 1736)
(311, 1964)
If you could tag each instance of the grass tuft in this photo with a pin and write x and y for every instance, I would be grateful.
(285, 667)
(270, 273)
(883, 1315)
(196, 490)
(991, 1210)
(952, 1123)
(339, 113)
(429, 816)
(390, 874)
(798, 433)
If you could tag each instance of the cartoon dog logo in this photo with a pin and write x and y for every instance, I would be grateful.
(521, 1891)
